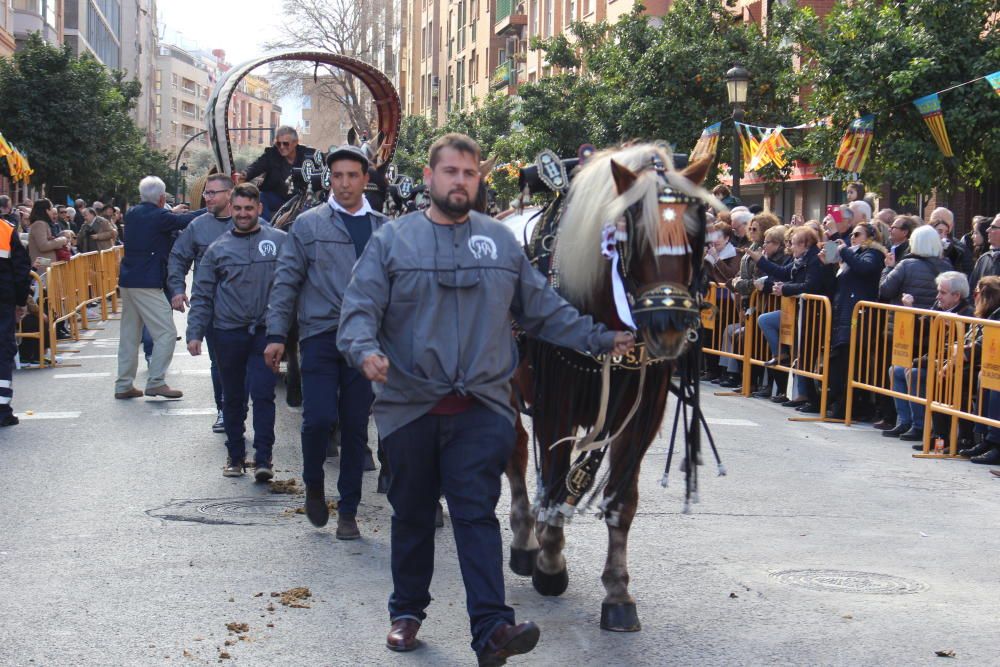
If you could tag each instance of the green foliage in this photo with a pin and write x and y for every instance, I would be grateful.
(870, 56)
(70, 116)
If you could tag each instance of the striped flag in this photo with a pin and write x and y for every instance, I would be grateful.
(707, 142)
(930, 109)
(855, 144)
(772, 149)
(748, 144)
(994, 80)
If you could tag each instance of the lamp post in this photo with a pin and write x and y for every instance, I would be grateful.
(737, 81)
(183, 184)
(177, 172)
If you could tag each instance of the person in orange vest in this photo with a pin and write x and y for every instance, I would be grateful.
(15, 282)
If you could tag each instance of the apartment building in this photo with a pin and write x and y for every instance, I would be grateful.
(252, 107)
(7, 42)
(325, 122)
(139, 46)
(182, 82)
(42, 16)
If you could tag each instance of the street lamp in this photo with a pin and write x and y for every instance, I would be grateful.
(737, 82)
(184, 173)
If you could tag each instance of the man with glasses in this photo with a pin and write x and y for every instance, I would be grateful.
(188, 250)
(314, 267)
(276, 166)
(427, 316)
(988, 263)
(899, 239)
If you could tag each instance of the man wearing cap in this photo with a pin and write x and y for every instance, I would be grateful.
(314, 267)
(943, 220)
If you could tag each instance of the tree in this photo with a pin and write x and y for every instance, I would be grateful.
(874, 57)
(362, 29)
(71, 117)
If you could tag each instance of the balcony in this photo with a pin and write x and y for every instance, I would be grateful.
(503, 76)
(510, 17)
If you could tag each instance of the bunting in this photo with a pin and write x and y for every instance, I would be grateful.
(748, 144)
(930, 108)
(771, 150)
(708, 142)
(994, 80)
(855, 144)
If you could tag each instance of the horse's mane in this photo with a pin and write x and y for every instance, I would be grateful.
(594, 201)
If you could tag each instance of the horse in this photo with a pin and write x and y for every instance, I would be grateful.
(632, 222)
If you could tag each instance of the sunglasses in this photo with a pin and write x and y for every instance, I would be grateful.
(283, 144)
(853, 234)
(993, 227)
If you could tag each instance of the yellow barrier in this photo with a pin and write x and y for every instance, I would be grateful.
(725, 328)
(38, 335)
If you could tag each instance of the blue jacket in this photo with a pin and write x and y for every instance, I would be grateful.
(858, 282)
(149, 235)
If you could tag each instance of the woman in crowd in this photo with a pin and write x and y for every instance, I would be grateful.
(976, 241)
(41, 242)
(914, 275)
(722, 262)
(987, 308)
(861, 265)
(952, 297)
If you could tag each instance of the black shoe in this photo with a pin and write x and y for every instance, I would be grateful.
(775, 361)
(796, 403)
(731, 381)
(836, 411)
(10, 420)
(883, 425)
(913, 435)
(508, 640)
(991, 457)
(316, 508)
(219, 426)
(808, 409)
(709, 376)
(977, 450)
(896, 431)
(439, 516)
(780, 398)
(762, 393)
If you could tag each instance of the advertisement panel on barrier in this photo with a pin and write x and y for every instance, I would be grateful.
(991, 358)
(902, 339)
(787, 320)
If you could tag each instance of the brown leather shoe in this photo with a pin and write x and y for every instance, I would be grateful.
(347, 528)
(130, 393)
(508, 640)
(403, 635)
(164, 391)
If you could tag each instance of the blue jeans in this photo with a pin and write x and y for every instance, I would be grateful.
(991, 409)
(333, 392)
(907, 412)
(8, 349)
(240, 355)
(462, 456)
(770, 325)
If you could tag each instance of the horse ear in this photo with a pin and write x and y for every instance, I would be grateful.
(486, 166)
(698, 170)
(352, 137)
(624, 177)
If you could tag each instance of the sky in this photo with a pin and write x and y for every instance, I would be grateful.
(239, 27)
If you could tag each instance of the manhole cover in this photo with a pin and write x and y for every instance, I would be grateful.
(229, 511)
(840, 581)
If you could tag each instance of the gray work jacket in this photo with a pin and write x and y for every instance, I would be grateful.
(437, 300)
(233, 281)
(315, 266)
(190, 247)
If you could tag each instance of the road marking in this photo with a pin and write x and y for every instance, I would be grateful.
(187, 412)
(836, 427)
(68, 376)
(48, 415)
(716, 421)
(191, 371)
(95, 356)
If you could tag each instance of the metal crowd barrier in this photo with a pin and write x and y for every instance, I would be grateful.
(725, 328)
(38, 335)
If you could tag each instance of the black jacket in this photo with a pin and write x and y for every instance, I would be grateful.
(988, 264)
(914, 275)
(807, 275)
(858, 282)
(15, 270)
(956, 253)
(276, 169)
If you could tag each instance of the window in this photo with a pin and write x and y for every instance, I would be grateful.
(550, 17)
(173, 80)
(533, 28)
(586, 7)
(571, 13)
(173, 104)
(423, 41)
(307, 102)
(306, 127)
(158, 78)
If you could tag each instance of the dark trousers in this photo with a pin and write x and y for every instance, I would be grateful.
(240, 355)
(216, 375)
(462, 456)
(333, 392)
(8, 348)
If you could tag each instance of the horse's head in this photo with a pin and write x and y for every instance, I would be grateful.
(651, 224)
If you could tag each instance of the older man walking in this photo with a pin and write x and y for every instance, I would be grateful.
(149, 235)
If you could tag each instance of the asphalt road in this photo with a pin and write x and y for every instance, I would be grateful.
(122, 544)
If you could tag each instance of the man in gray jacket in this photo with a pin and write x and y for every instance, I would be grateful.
(314, 267)
(229, 298)
(428, 317)
(188, 250)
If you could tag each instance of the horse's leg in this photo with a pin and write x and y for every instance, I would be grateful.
(524, 545)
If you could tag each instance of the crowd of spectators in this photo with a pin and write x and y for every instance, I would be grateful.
(851, 256)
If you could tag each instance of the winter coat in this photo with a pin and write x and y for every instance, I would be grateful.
(750, 271)
(857, 280)
(98, 235)
(805, 275)
(914, 275)
(988, 264)
(956, 253)
(149, 235)
(41, 243)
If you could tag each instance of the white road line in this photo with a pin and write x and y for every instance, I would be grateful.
(186, 412)
(95, 356)
(48, 415)
(835, 427)
(191, 371)
(716, 421)
(70, 376)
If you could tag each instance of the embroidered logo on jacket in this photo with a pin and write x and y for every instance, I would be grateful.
(267, 247)
(482, 246)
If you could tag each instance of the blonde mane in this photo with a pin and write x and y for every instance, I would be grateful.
(594, 202)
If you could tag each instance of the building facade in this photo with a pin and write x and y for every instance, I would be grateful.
(182, 83)
(139, 46)
(325, 122)
(41, 16)
(7, 42)
(94, 27)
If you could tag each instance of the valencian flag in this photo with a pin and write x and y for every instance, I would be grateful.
(930, 108)
(771, 149)
(855, 144)
(994, 80)
(748, 144)
(707, 142)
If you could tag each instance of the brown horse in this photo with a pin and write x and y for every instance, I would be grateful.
(628, 211)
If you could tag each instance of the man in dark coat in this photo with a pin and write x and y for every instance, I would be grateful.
(276, 166)
(149, 235)
(15, 281)
(988, 263)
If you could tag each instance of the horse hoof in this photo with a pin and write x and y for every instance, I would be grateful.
(620, 617)
(550, 584)
(522, 561)
(383, 484)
